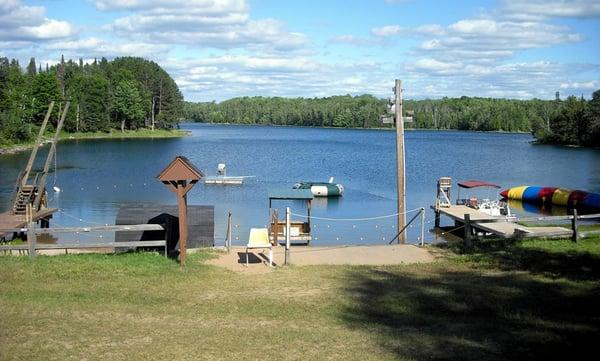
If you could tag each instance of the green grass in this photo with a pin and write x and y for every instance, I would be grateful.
(115, 133)
(531, 300)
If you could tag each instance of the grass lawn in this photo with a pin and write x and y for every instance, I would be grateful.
(531, 300)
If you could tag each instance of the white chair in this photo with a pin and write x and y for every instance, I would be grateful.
(259, 238)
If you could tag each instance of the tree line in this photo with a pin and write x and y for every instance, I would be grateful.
(125, 93)
(550, 121)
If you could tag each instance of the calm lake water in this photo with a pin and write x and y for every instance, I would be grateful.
(97, 175)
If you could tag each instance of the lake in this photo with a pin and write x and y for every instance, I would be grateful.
(97, 175)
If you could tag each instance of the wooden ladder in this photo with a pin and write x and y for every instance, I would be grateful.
(33, 194)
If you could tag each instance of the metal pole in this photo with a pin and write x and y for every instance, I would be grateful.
(228, 243)
(422, 226)
(287, 235)
(400, 161)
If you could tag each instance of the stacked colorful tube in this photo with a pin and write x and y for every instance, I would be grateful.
(553, 195)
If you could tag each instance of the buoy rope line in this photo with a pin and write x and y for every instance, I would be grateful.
(356, 219)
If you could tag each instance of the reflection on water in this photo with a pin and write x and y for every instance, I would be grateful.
(97, 176)
(520, 207)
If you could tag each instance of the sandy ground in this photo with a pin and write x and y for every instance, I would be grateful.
(335, 255)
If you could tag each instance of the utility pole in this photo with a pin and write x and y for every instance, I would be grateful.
(400, 162)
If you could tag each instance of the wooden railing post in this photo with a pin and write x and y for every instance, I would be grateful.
(31, 239)
(574, 226)
(287, 235)
(468, 241)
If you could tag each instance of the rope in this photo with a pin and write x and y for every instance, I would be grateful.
(354, 219)
(452, 230)
(81, 219)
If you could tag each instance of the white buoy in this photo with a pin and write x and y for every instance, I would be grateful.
(56, 189)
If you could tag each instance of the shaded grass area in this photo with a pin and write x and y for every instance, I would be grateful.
(495, 302)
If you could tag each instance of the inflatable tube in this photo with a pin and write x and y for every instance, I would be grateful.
(556, 196)
(532, 194)
(561, 197)
(321, 189)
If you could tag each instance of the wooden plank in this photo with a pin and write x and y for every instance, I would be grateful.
(200, 222)
(121, 228)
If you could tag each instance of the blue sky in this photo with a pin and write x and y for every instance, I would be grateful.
(218, 49)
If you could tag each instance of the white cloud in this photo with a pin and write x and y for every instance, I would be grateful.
(223, 77)
(220, 24)
(204, 6)
(387, 30)
(28, 23)
(539, 9)
(94, 47)
(587, 85)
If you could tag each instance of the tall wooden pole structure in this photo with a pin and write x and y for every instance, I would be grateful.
(400, 161)
(176, 177)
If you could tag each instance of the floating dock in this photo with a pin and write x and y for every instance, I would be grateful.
(497, 225)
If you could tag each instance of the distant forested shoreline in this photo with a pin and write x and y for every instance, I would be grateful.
(572, 121)
(125, 93)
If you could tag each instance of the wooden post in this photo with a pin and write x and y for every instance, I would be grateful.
(51, 153)
(468, 241)
(31, 239)
(437, 219)
(183, 232)
(176, 176)
(574, 226)
(400, 161)
(33, 154)
(287, 235)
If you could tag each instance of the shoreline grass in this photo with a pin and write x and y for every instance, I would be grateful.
(112, 134)
(530, 299)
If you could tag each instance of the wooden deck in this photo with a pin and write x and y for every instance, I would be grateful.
(10, 222)
(500, 225)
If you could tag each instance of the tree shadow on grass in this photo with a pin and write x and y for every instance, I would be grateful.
(507, 255)
(454, 312)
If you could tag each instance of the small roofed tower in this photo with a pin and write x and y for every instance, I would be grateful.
(180, 176)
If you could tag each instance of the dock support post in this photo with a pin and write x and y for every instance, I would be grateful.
(31, 239)
(437, 218)
(468, 240)
(574, 226)
(287, 235)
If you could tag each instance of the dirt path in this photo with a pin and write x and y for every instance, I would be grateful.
(335, 255)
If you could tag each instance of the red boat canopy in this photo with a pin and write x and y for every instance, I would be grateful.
(476, 183)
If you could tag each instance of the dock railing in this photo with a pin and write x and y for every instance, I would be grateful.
(574, 219)
(32, 245)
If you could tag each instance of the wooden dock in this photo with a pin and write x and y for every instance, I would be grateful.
(10, 222)
(498, 225)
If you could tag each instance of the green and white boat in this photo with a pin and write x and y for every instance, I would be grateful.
(322, 189)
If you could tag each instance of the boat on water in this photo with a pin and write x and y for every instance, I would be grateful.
(579, 199)
(223, 178)
(485, 204)
(322, 189)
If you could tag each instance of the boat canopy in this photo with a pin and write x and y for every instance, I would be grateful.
(476, 183)
(290, 194)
